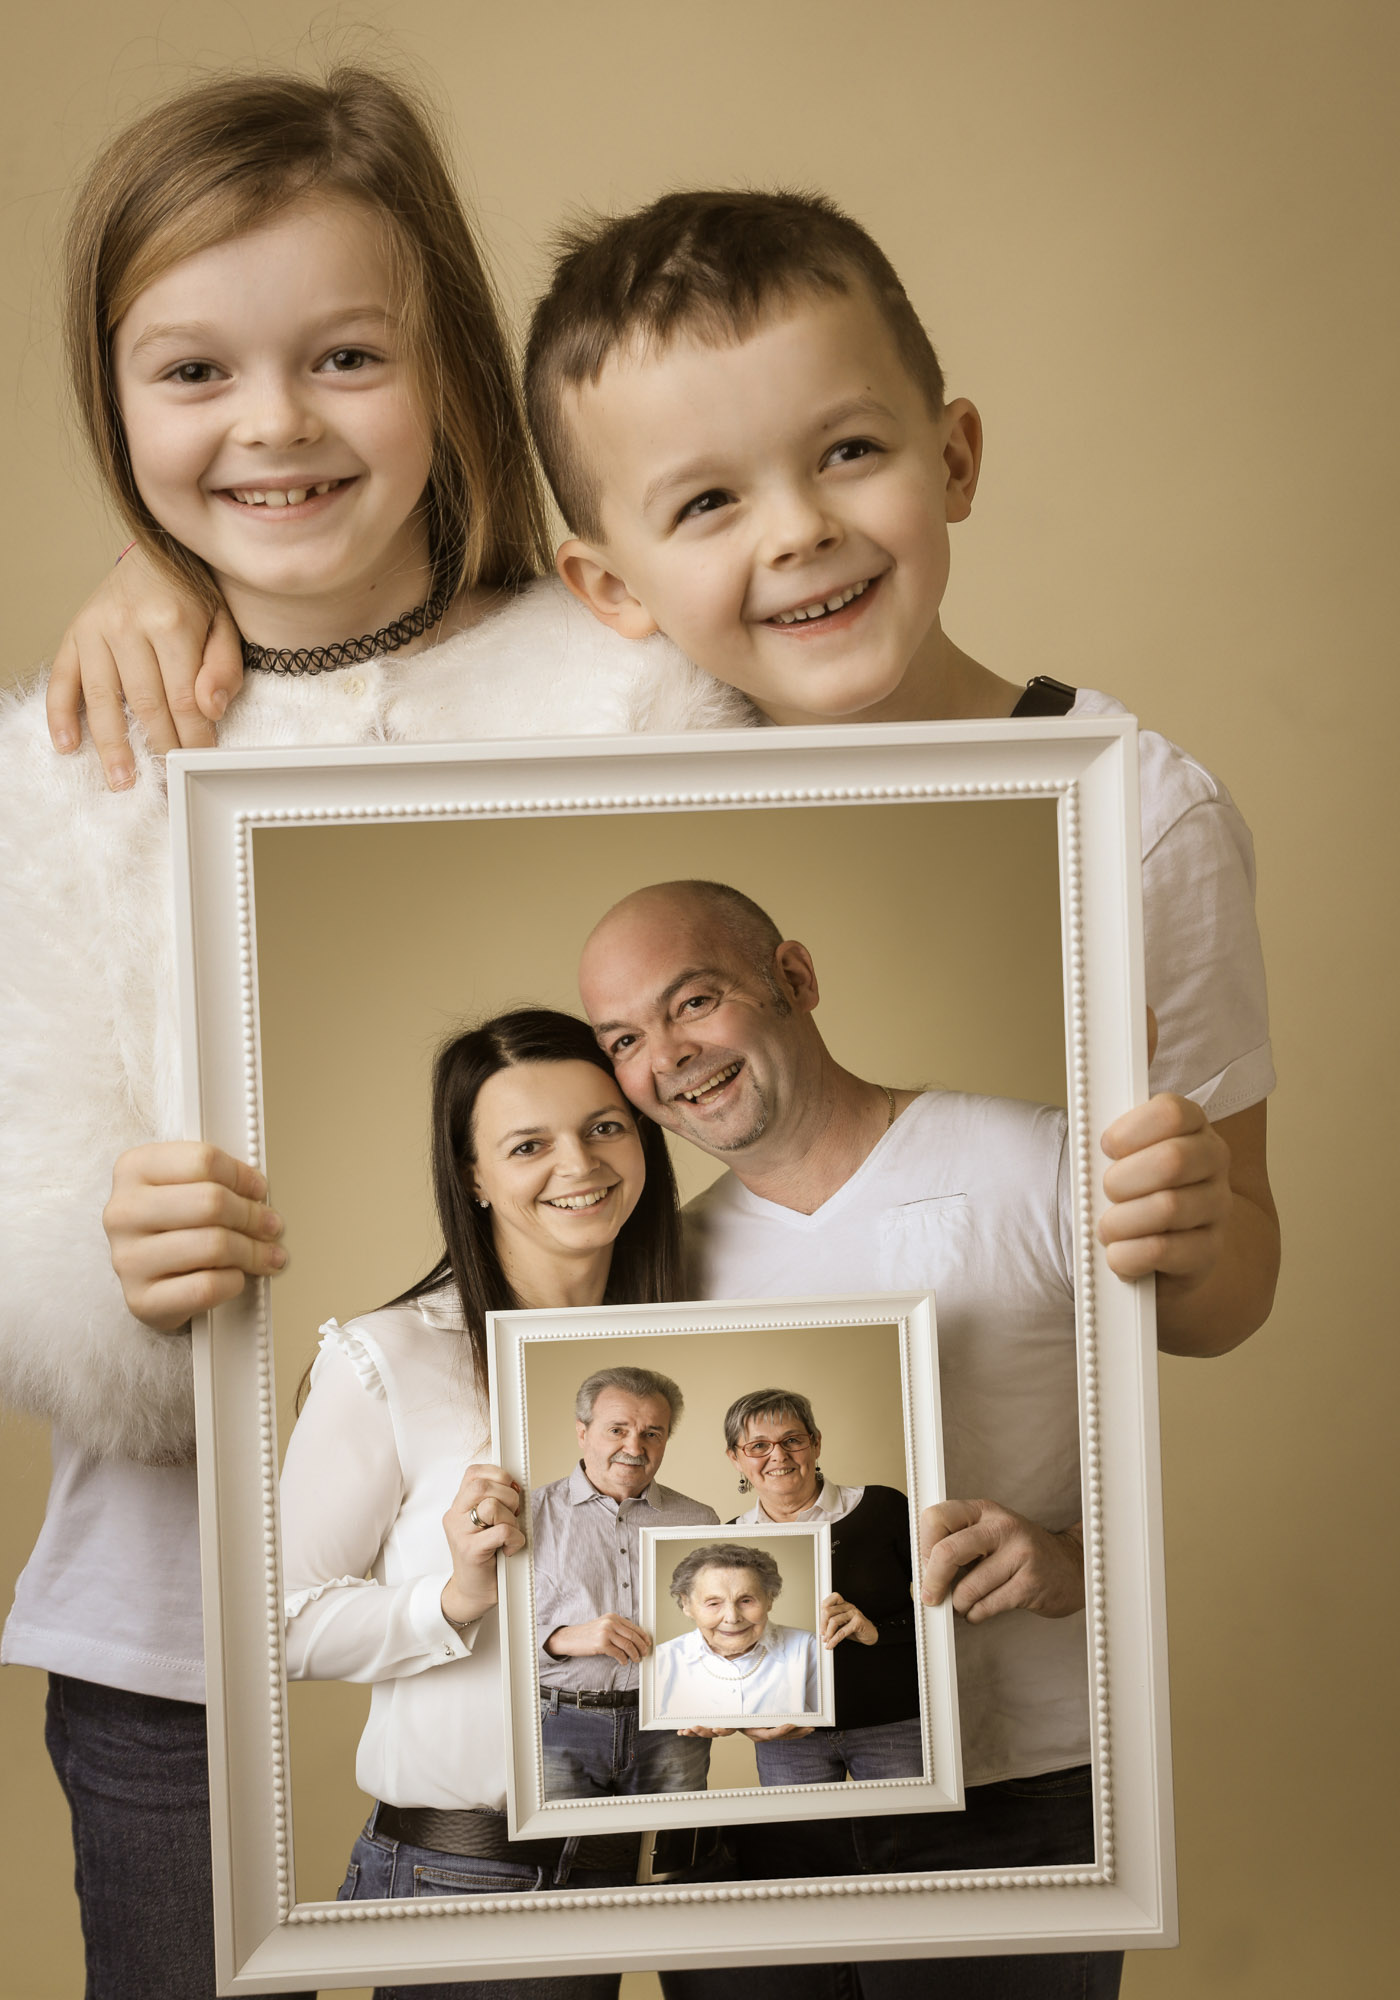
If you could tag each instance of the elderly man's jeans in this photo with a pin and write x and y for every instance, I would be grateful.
(599, 1752)
(380, 1867)
(1022, 1823)
(134, 1769)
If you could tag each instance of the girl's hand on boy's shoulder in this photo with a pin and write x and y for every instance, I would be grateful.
(140, 646)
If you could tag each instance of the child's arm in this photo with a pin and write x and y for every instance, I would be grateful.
(184, 1223)
(140, 644)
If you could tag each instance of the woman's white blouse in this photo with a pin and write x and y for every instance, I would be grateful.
(691, 1680)
(391, 1423)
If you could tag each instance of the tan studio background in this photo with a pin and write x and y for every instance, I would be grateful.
(935, 932)
(1155, 243)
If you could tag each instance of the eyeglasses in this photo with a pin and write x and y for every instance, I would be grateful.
(794, 1442)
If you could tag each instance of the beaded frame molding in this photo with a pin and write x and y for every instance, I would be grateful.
(265, 1940)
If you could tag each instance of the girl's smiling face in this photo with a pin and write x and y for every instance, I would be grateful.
(274, 423)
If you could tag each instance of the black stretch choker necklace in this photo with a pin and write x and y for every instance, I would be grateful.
(347, 652)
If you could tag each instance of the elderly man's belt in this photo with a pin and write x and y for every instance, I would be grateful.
(594, 1697)
(482, 1836)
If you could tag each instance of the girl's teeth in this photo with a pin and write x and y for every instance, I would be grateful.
(277, 496)
(820, 609)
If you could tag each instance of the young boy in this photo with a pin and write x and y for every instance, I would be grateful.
(744, 424)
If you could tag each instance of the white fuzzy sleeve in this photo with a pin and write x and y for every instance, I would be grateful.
(87, 1068)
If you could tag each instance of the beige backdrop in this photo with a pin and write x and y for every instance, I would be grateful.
(1155, 243)
(935, 932)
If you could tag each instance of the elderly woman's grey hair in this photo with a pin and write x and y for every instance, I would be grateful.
(725, 1555)
(632, 1382)
(766, 1403)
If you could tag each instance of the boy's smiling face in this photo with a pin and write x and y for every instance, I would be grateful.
(779, 508)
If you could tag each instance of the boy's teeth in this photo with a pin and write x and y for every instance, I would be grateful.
(711, 1083)
(820, 608)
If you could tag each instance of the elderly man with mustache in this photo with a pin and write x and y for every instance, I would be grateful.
(587, 1541)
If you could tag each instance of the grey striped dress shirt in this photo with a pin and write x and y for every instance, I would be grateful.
(586, 1549)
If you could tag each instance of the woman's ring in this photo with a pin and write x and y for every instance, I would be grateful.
(475, 1518)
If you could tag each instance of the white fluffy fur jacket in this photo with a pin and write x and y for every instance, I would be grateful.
(88, 1059)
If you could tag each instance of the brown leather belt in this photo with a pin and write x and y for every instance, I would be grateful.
(482, 1835)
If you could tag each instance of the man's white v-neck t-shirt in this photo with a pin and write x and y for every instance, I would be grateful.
(969, 1198)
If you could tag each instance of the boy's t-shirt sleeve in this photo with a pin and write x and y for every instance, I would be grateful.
(1204, 962)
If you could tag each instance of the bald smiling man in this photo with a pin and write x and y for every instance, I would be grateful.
(838, 1184)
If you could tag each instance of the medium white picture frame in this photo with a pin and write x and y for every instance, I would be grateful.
(516, 1338)
(268, 1941)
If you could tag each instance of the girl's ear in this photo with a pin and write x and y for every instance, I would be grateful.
(585, 570)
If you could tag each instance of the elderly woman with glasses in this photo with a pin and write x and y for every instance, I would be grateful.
(772, 1436)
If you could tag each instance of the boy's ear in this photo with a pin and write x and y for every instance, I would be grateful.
(586, 571)
(962, 456)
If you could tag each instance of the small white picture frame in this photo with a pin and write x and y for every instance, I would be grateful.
(662, 1704)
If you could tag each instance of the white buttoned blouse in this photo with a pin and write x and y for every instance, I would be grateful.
(391, 1423)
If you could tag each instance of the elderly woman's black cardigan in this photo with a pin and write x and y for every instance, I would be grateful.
(871, 1568)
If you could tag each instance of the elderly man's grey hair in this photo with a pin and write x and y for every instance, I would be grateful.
(632, 1382)
(771, 1403)
(725, 1555)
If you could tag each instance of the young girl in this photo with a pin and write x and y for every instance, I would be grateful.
(288, 362)
(582, 1210)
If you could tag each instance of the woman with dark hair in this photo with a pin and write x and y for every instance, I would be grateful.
(550, 1191)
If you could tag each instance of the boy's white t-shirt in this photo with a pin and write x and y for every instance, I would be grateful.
(111, 1591)
(1205, 966)
(967, 1197)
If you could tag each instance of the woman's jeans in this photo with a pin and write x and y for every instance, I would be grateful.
(135, 1771)
(880, 1750)
(380, 1867)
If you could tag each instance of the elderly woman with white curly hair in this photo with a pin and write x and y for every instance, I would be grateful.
(737, 1661)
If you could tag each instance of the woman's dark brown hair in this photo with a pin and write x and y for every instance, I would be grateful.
(225, 157)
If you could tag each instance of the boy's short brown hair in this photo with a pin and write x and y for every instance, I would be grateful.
(710, 262)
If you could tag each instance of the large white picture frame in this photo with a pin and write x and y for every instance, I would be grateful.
(266, 1940)
(515, 1336)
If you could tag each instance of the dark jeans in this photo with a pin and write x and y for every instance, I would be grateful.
(1022, 1823)
(382, 1867)
(135, 1772)
(600, 1752)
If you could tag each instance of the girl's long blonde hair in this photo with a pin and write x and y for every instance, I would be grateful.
(226, 156)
